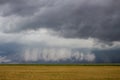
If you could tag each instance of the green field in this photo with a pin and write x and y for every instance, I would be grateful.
(57, 72)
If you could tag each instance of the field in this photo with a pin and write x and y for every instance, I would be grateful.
(65, 72)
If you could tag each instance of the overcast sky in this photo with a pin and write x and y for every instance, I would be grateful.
(59, 31)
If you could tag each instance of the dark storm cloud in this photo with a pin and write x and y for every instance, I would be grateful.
(9, 1)
(71, 19)
(18, 7)
(9, 52)
(107, 56)
(17, 53)
(99, 19)
(85, 21)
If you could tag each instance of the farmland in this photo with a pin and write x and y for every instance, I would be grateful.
(57, 72)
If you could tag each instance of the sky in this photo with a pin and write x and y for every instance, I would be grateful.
(59, 31)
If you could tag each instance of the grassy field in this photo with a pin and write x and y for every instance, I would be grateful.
(57, 72)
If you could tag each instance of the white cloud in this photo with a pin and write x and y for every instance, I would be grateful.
(41, 23)
(3, 59)
(55, 54)
(43, 35)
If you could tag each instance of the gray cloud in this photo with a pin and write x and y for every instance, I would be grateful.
(3, 59)
(18, 7)
(17, 53)
(56, 54)
(71, 19)
(28, 29)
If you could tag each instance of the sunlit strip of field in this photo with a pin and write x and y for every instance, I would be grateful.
(44, 72)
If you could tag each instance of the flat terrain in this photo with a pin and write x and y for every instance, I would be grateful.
(59, 72)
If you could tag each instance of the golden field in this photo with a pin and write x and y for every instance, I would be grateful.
(59, 72)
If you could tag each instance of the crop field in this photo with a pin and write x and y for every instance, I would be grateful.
(45, 72)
